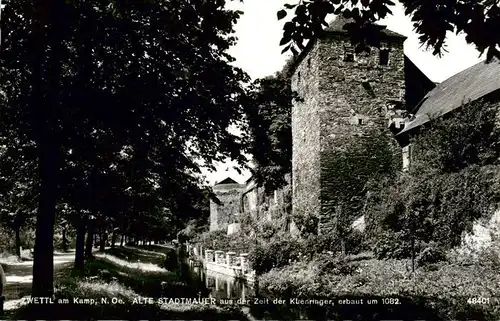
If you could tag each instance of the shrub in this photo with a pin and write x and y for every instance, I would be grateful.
(259, 261)
(431, 255)
(314, 244)
(394, 245)
(306, 223)
(220, 241)
(355, 242)
(217, 240)
(275, 254)
(336, 265)
(267, 230)
(487, 256)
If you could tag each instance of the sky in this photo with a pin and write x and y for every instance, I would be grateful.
(259, 54)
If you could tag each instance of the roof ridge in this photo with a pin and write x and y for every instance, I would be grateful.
(470, 84)
(338, 23)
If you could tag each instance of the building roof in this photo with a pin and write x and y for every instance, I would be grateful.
(469, 85)
(227, 181)
(417, 85)
(337, 26)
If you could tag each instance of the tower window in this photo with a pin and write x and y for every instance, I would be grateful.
(360, 121)
(384, 56)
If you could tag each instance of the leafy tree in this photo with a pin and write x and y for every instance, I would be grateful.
(432, 20)
(152, 78)
(269, 114)
(18, 182)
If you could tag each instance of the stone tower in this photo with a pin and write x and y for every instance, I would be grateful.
(342, 94)
(228, 192)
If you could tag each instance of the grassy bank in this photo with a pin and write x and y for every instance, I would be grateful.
(441, 291)
(104, 280)
(137, 254)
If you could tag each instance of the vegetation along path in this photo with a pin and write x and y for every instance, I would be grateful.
(123, 274)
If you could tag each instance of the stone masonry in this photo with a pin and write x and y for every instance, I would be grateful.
(342, 95)
(306, 138)
(229, 194)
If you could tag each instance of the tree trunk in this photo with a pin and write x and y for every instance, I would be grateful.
(122, 240)
(64, 240)
(45, 103)
(113, 239)
(43, 265)
(102, 241)
(90, 239)
(80, 244)
(18, 241)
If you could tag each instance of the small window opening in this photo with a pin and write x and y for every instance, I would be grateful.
(384, 57)
(360, 121)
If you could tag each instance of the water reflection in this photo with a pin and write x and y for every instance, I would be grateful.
(208, 283)
(222, 286)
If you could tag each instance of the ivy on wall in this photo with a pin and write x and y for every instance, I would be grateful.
(347, 173)
(453, 181)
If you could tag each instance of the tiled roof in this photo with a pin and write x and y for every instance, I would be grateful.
(337, 26)
(466, 86)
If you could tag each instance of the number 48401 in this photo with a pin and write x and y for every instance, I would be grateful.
(478, 300)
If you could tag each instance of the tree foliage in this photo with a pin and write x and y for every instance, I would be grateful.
(118, 100)
(432, 20)
(269, 114)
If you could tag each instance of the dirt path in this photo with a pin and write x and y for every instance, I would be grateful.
(20, 276)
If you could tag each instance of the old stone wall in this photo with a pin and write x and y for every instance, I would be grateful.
(260, 205)
(306, 137)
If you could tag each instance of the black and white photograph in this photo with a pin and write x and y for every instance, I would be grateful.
(250, 160)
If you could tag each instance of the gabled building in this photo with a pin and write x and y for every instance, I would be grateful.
(481, 81)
